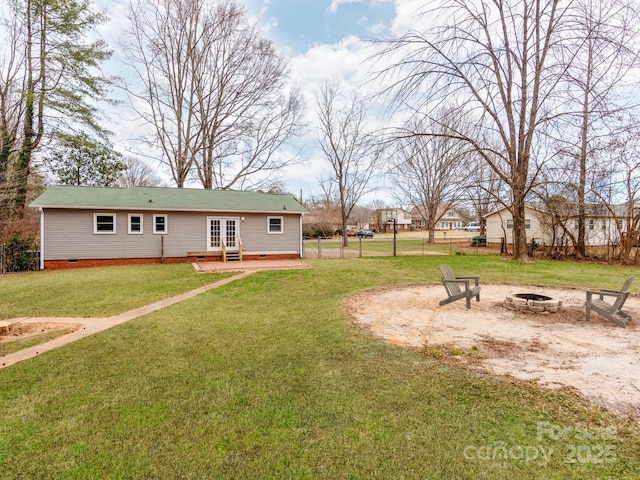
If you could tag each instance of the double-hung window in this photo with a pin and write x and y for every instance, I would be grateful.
(104, 223)
(275, 225)
(135, 224)
(160, 224)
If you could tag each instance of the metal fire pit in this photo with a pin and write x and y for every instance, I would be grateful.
(533, 302)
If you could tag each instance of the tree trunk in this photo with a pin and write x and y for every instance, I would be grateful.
(345, 238)
(581, 249)
(519, 231)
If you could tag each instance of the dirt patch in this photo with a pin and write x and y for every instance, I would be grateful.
(18, 331)
(597, 358)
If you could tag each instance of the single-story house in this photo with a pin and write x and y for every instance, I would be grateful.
(89, 226)
(601, 229)
(499, 225)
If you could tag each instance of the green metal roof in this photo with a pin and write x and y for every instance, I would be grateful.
(160, 198)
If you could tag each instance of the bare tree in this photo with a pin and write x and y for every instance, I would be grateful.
(484, 191)
(603, 51)
(347, 145)
(138, 174)
(215, 92)
(494, 59)
(619, 181)
(430, 167)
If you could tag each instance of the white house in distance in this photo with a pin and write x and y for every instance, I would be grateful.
(449, 220)
(91, 226)
(601, 229)
(402, 217)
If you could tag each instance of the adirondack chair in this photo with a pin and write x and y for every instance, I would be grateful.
(452, 285)
(611, 311)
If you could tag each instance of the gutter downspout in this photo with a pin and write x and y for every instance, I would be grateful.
(41, 238)
(301, 247)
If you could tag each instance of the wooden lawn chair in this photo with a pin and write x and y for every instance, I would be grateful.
(452, 285)
(612, 310)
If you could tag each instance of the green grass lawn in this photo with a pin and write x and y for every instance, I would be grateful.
(383, 246)
(94, 292)
(266, 377)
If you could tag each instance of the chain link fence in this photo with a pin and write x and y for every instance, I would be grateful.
(383, 246)
(455, 245)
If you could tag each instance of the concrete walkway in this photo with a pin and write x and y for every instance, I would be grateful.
(95, 325)
(254, 265)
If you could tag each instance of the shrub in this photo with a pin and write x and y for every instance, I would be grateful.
(317, 230)
(21, 253)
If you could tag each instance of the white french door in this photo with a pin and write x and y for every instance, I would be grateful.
(222, 231)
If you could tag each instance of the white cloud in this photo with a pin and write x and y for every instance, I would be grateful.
(335, 4)
(333, 8)
(377, 29)
(410, 15)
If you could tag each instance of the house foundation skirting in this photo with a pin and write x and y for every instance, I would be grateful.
(104, 262)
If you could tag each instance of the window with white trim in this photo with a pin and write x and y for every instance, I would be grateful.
(160, 224)
(275, 225)
(104, 223)
(135, 224)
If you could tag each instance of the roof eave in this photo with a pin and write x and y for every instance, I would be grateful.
(168, 209)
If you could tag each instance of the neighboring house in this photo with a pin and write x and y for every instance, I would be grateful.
(601, 228)
(88, 226)
(449, 220)
(402, 217)
(499, 225)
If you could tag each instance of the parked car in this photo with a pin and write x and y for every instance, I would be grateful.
(364, 234)
(472, 227)
(351, 233)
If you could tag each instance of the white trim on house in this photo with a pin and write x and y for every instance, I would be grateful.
(129, 230)
(280, 228)
(97, 231)
(170, 209)
(301, 247)
(165, 230)
(41, 238)
(222, 226)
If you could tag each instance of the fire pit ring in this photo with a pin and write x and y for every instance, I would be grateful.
(533, 302)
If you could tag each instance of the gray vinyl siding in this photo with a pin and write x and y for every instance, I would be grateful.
(68, 234)
(255, 238)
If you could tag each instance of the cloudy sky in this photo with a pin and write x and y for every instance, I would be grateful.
(323, 39)
(300, 25)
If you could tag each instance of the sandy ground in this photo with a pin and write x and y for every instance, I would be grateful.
(599, 359)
